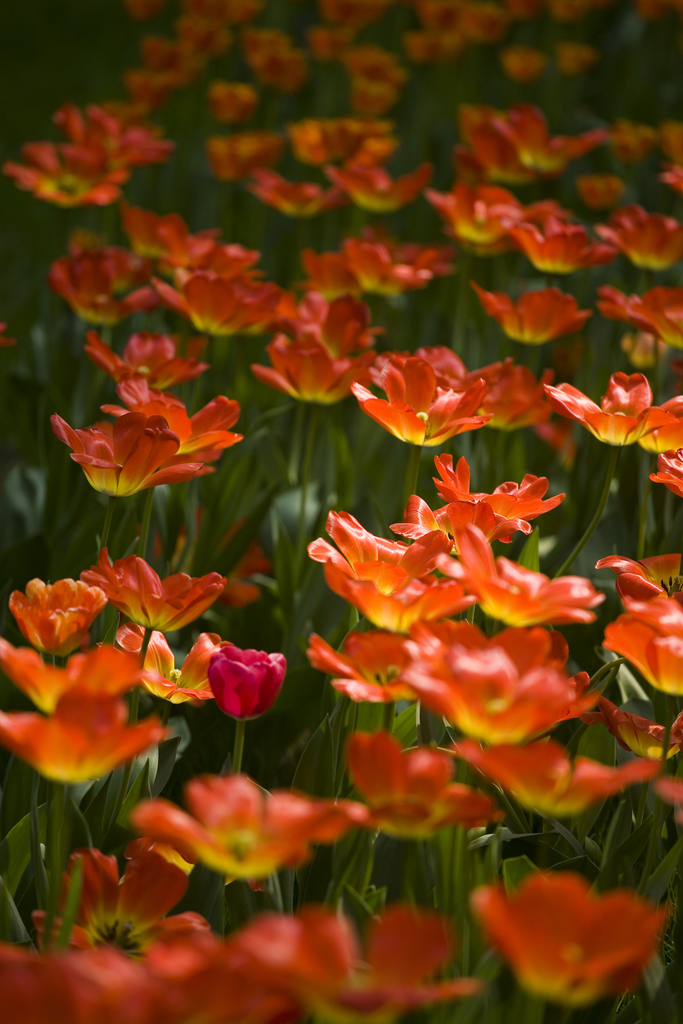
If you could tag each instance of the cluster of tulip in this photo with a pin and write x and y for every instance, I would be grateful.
(251, 775)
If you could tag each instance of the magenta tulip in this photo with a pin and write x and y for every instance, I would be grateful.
(246, 683)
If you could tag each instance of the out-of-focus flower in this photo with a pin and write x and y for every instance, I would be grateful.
(650, 241)
(316, 957)
(559, 436)
(410, 792)
(217, 306)
(152, 356)
(567, 12)
(625, 412)
(102, 671)
(643, 351)
(329, 274)
(525, 128)
(566, 943)
(130, 455)
(650, 635)
(484, 21)
(143, 10)
(523, 63)
(478, 216)
(246, 683)
(515, 398)
(646, 578)
(126, 144)
(56, 617)
(150, 89)
(670, 790)
(134, 588)
(658, 311)
(342, 325)
(543, 778)
(560, 248)
(160, 676)
(416, 409)
(233, 157)
(670, 471)
(273, 59)
(205, 36)
(294, 198)
(355, 14)
(537, 316)
(86, 737)
(668, 438)
(90, 280)
(631, 142)
(524, 10)
(574, 59)
(327, 42)
(375, 64)
(306, 370)
(600, 191)
(368, 668)
(633, 732)
(231, 102)
(433, 46)
(319, 141)
(515, 595)
(237, 829)
(487, 152)
(671, 140)
(504, 689)
(130, 913)
(5, 342)
(373, 189)
(239, 591)
(673, 177)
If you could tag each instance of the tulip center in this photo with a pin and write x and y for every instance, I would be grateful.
(424, 416)
(117, 933)
(573, 953)
(143, 369)
(175, 675)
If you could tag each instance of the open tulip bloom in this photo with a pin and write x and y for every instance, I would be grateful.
(295, 728)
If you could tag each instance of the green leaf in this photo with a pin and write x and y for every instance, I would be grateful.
(315, 771)
(15, 849)
(12, 928)
(405, 729)
(659, 879)
(529, 556)
(94, 810)
(16, 794)
(167, 755)
(515, 870)
(140, 790)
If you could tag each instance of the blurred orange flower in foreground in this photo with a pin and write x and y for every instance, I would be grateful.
(56, 617)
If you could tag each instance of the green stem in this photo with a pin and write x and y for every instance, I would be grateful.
(653, 841)
(295, 450)
(146, 521)
(107, 522)
(303, 483)
(146, 637)
(388, 716)
(412, 474)
(55, 843)
(640, 813)
(238, 750)
(614, 455)
(642, 521)
(461, 305)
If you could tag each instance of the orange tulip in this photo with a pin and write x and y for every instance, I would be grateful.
(134, 453)
(142, 10)
(160, 676)
(505, 689)
(633, 732)
(670, 790)
(66, 175)
(305, 370)
(153, 356)
(509, 500)
(600, 191)
(526, 129)
(523, 63)
(233, 157)
(329, 274)
(374, 64)
(646, 578)
(670, 471)
(342, 325)
(56, 617)
(103, 671)
(643, 351)
(273, 60)
(316, 957)
(542, 777)
(673, 177)
(239, 591)
(625, 413)
(319, 141)
(478, 216)
(410, 792)
(327, 42)
(514, 398)
(517, 596)
(649, 240)
(129, 914)
(432, 46)
(133, 587)
(488, 153)
(537, 316)
(560, 248)
(90, 279)
(232, 102)
(385, 269)
(650, 635)
(367, 669)
(567, 943)
(220, 307)
(294, 198)
(671, 140)
(416, 410)
(86, 737)
(203, 436)
(355, 14)
(574, 59)
(373, 189)
(237, 829)
(658, 311)
(484, 21)
(631, 142)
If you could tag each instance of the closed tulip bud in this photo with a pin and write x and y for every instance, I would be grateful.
(246, 683)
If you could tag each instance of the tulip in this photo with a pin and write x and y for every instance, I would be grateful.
(246, 683)
(650, 635)
(514, 397)
(56, 617)
(523, 63)
(566, 943)
(650, 241)
(646, 578)
(273, 60)
(633, 732)
(670, 471)
(220, 307)
(574, 59)
(89, 281)
(658, 311)
(631, 142)
(537, 316)
(239, 830)
(152, 356)
(232, 102)
(294, 198)
(625, 413)
(526, 128)
(477, 216)
(543, 778)
(233, 157)
(368, 668)
(600, 191)
(305, 370)
(160, 676)
(373, 189)
(317, 141)
(560, 248)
